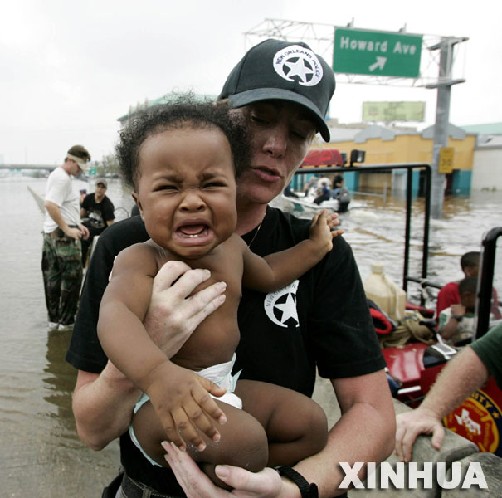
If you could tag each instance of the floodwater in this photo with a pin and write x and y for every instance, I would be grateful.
(40, 454)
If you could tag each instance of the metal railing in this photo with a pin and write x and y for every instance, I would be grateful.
(381, 168)
(485, 283)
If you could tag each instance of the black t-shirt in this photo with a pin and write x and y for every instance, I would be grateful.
(321, 320)
(98, 213)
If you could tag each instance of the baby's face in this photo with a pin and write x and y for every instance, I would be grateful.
(186, 190)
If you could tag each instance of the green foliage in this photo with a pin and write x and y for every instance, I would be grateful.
(108, 166)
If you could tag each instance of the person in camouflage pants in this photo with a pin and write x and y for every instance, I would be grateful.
(61, 251)
(62, 273)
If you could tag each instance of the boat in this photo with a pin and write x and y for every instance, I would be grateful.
(306, 205)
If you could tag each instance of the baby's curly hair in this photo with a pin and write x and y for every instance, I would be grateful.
(184, 113)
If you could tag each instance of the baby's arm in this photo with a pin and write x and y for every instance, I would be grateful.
(180, 397)
(281, 268)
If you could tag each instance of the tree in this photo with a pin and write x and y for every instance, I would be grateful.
(108, 165)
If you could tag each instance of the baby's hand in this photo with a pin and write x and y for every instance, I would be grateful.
(182, 402)
(322, 231)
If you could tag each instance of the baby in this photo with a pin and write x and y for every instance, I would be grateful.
(182, 161)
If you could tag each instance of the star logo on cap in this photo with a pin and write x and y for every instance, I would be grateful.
(300, 69)
(296, 63)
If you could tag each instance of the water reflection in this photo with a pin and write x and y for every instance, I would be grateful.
(59, 381)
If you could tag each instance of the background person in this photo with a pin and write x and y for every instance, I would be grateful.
(83, 193)
(449, 293)
(96, 212)
(465, 373)
(61, 243)
(457, 324)
(323, 192)
(320, 321)
(311, 184)
(341, 193)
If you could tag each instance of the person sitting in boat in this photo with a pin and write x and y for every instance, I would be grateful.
(323, 193)
(457, 323)
(450, 295)
(311, 184)
(340, 193)
(289, 193)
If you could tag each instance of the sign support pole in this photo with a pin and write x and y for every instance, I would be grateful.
(443, 101)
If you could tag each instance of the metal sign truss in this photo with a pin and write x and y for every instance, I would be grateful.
(320, 37)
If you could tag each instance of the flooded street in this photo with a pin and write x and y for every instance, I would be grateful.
(40, 455)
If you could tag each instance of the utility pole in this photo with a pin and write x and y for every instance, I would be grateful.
(443, 99)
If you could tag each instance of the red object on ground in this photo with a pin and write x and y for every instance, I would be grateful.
(406, 365)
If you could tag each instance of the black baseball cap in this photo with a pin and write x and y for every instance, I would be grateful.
(282, 70)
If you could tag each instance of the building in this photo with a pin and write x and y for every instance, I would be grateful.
(477, 155)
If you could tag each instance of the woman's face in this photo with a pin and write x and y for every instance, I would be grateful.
(280, 134)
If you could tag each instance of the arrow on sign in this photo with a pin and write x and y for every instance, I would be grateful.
(379, 64)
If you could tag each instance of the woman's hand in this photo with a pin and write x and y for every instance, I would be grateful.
(266, 483)
(172, 310)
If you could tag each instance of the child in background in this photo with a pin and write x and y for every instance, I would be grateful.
(182, 161)
(449, 294)
(457, 323)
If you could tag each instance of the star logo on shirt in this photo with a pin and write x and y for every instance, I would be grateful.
(280, 306)
(299, 64)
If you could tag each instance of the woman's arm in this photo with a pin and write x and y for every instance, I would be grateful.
(102, 405)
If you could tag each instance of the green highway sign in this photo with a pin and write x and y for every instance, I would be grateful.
(376, 53)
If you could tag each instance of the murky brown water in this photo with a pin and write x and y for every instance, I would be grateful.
(40, 455)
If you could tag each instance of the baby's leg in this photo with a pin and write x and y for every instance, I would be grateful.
(296, 426)
(243, 441)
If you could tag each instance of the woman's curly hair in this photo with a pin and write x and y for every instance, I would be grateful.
(184, 113)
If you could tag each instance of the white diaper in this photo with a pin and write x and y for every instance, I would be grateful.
(220, 374)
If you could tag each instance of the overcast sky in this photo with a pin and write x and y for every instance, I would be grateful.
(69, 69)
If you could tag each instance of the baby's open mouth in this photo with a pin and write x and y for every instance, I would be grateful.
(193, 231)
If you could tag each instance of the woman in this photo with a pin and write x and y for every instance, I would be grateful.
(320, 321)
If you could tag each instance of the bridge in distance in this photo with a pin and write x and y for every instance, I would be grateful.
(49, 167)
